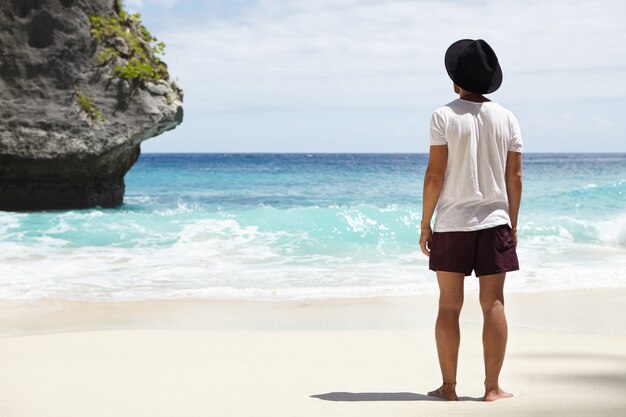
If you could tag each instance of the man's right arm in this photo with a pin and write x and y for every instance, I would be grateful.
(513, 176)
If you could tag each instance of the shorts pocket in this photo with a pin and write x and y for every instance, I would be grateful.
(504, 238)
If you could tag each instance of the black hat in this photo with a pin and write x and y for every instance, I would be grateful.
(473, 66)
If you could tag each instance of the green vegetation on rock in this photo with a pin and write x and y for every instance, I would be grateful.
(107, 55)
(87, 106)
(124, 36)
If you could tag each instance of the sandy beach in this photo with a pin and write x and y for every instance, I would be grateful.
(351, 357)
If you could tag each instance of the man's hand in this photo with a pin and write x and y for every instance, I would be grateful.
(426, 237)
(514, 234)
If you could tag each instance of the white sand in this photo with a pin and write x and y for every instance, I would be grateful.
(376, 357)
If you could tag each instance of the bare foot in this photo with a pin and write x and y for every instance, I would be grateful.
(447, 391)
(496, 394)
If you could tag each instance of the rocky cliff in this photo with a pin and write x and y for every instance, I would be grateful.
(81, 86)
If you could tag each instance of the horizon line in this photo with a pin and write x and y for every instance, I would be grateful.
(363, 153)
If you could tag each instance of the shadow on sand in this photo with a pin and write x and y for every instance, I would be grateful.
(383, 396)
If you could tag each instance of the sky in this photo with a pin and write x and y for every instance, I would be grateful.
(366, 75)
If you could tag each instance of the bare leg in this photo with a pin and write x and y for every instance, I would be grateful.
(447, 332)
(495, 333)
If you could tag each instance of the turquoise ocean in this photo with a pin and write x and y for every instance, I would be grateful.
(290, 226)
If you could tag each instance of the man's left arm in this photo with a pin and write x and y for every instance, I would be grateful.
(433, 183)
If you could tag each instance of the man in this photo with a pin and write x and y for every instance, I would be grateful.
(474, 179)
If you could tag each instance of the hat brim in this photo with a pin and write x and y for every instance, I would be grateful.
(452, 58)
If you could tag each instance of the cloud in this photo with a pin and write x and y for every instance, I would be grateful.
(133, 5)
(350, 53)
(138, 5)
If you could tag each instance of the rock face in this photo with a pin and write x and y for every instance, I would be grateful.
(71, 122)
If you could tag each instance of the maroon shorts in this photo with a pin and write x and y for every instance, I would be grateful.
(487, 251)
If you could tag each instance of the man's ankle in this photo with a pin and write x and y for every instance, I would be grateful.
(491, 387)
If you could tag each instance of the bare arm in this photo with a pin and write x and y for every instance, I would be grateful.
(433, 183)
(513, 177)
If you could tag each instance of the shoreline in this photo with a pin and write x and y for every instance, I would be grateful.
(598, 311)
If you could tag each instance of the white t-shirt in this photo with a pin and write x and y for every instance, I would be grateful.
(479, 136)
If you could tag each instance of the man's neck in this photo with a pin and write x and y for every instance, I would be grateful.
(478, 98)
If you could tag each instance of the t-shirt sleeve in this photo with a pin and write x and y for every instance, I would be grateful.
(515, 141)
(437, 130)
